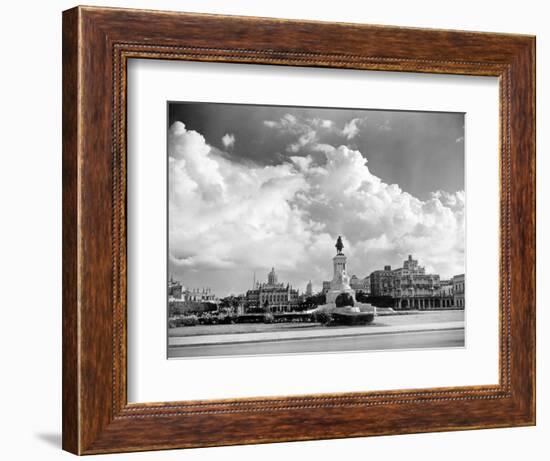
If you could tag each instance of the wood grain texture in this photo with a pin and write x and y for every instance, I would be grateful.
(70, 384)
(97, 43)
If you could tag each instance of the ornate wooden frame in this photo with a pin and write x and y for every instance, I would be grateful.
(97, 43)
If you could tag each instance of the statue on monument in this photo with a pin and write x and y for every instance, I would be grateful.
(339, 245)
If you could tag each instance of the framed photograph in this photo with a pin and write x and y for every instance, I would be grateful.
(282, 230)
(289, 187)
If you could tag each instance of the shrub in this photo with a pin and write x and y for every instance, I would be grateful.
(344, 300)
(322, 317)
(190, 320)
(226, 319)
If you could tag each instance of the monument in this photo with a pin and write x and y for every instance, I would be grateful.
(340, 299)
(340, 279)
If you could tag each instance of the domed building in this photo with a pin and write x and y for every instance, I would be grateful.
(272, 296)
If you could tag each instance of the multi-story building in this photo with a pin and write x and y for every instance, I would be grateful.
(326, 287)
(360, 285)
(273, 296)
(414, 289)
(382, 282)
(411, 288)
(446, 293)
(458, 291)
(195, 299)
(200, 295)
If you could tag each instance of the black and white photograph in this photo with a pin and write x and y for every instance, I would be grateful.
(299, 230)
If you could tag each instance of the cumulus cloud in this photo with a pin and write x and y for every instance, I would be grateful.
(224, 215)
(307, 131)
(227, 216)
(322, 123)
(228, 140)
(287, 122)
(351, 129)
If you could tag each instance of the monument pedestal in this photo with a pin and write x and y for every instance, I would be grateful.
(333, 294)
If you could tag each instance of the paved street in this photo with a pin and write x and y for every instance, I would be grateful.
(385, 341)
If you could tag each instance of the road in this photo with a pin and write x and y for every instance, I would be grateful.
(386, 341)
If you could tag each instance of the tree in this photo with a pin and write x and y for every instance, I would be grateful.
(225, 302)
(317, 299)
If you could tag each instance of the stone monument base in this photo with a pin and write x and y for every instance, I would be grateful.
(360, 314)
(333, 294)
(358, 308)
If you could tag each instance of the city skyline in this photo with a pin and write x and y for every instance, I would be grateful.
(251, 187)
(316, 286)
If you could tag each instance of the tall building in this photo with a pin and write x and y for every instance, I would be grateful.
(272, 277)
(309, 289)
(272, 296)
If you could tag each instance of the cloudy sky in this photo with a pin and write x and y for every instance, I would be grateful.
(251, 187)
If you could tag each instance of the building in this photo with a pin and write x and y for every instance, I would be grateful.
(412, 288)
(357, 284)
(446, 293)
(458, 291)
(309, 289)
(200, 295)
(175, 289)
(190, 300)
(360, 285)
(273, 296)
(382, 282)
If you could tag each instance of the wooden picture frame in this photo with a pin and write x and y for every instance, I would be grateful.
(97, 43)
